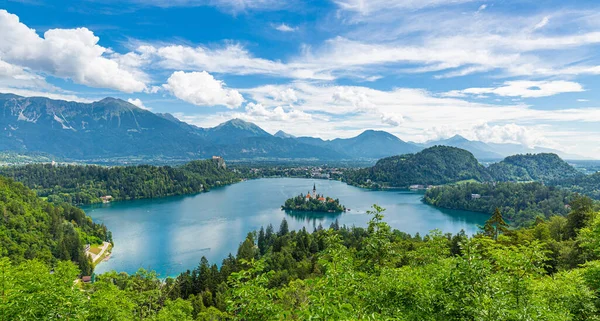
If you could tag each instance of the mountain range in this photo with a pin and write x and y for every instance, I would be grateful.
(113, 128)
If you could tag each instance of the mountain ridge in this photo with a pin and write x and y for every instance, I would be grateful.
(114, 128)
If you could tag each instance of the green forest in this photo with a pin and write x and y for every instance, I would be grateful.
(532, 167)
(85, 184)
(440, 165)
(521, 203)
(313, 204)
(432, 166)
(588, 185)
(550, 271)
(32, 229)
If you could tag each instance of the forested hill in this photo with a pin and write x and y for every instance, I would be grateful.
(532, 167)
(521, 203)
(31, 228)
(435, 165)
(85, 184)
(588, 185)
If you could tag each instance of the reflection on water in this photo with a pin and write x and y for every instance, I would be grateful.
(314, 217)
(170, 235)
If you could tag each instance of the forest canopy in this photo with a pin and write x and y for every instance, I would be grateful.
(86, 184)
(31, 228)
(549, 271)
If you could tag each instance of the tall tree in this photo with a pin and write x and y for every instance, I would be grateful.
(582, 210)
(495, 225)
(283, 228)
(262, 242)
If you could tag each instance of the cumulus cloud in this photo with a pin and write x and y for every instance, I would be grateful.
(510, 133)
(392, 120)
(66, 53)
(357, 98)
(138, 103)
(22, 82)
(202, 89)
(522, 88)
(275, 114)
(284, 28)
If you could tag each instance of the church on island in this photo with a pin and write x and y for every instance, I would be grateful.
(313, 203)
(314, 195)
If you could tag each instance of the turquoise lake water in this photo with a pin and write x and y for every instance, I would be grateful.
(170, 235)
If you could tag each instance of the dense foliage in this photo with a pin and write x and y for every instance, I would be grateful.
(521, 203)
(316, 203)
(547, 272)
(588, 185)
(33, 229)
(81, 184)
(435, 165)
(532, 167)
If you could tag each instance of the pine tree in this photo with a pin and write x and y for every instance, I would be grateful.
(283, 228)
(269, 235)
(495, 225)
(262, 244)
(246, 250)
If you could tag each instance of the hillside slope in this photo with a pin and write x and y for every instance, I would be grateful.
(35, 229)
(434, 165)
(532, 167)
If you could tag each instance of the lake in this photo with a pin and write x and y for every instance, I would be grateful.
(170, 235)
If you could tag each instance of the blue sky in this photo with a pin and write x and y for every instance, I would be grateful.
(497, 71)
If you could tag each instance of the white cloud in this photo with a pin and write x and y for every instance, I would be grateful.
(66, 53)
(258, 111)
(392, 120)
(356, 98)
(583, 100)
(482, 7)
(445, 43)
(137, 102)
(411, 114)
(52, 95)
(202, 89)
(285, 28)
(366, 7)
(232, 59)
(511, 133)
(522, 88)
(542, 23)
(22, 82)
(233, 6)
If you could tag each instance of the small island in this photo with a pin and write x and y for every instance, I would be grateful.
(313, 203)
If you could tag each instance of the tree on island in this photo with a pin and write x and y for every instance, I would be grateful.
(313, 203)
